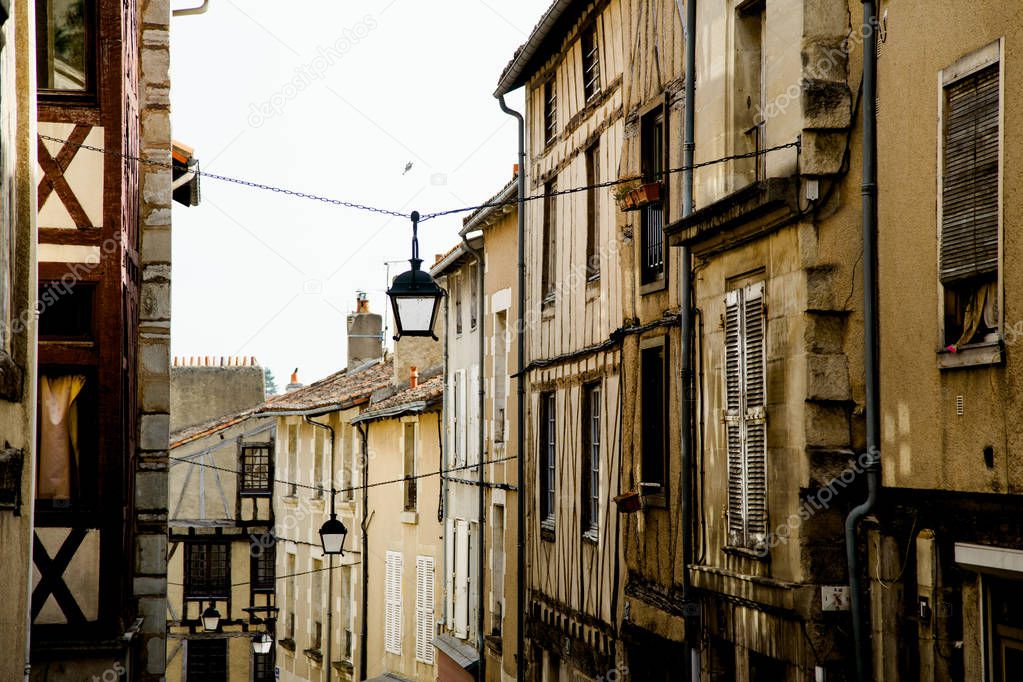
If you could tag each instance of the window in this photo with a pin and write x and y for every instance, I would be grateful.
(67, 315)
(262, 567)
(460, 599)
(474, 578)
(256, 475)
(550, 111)
(293, 459)
(424, 609)
(410, 466)
(500, 374)
(289, 630)
(548, 443)
(749, 102)
(474, 295)
(591, 459)
(206, 660)
(653, 368)
(763, 668)
(746, 417)
(392, 606)
(349, 447)
(497, 570)
(1003, 636)
(456, 284)
(970, 206)
(593, 195)
(591, 62)
(316, 605)
(458, 419)
(318, 439)
(67, 461)
(208, 569)
(651, 216)
(548, 274)
(263, 667)
(346, 613)
(64, 45)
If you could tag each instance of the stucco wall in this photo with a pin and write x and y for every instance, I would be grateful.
(199, 394)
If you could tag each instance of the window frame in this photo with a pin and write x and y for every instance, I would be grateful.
(653, 162)
(89, 96)
(549, 96)
(456, 285)
(592, 423)
(474, 296)
(205, 590)
(590, 38)
(593, 197)
(549, 239)
(547, 471)
(262, 551)
(976, 353)
(654, 492)
(244, 473)
(409, 487)
(204, 674)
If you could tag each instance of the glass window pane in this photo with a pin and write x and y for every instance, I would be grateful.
(62, 47)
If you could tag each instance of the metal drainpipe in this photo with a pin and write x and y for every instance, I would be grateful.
(520, 426)
(330, 557)
(686, 332)
(481, 553)
(861, 639)
(364, 627)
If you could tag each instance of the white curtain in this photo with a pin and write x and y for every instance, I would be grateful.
(58, 435)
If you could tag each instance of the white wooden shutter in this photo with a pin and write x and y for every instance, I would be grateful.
(461, 579)
(745, 416)
(392, 607)
(755, 398)
(424, 609)
(733, 420)
(449, 579)
(969, 195)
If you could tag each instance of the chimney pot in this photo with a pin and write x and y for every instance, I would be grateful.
(413, 377)
(515, 169)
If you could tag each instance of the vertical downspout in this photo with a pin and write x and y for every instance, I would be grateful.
(364, 627)
(520, 391)
(480, 545)
(330, 557)
(686, 331)
(868, 190)
(442, 437)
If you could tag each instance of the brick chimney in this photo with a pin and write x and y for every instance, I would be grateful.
(365, 333)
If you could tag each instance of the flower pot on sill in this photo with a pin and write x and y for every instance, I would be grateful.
(628, 502)
(648, 193)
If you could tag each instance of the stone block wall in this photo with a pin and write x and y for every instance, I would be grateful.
(150, 561)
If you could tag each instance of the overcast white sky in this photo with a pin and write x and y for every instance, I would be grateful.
(332, 98)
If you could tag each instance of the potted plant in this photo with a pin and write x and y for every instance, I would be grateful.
(628, 502)
(648, 193)
(623, 194)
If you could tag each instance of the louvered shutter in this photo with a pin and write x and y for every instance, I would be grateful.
(392, 607)
(969, 204)
(449, 579)
(733, 420)
(461, 579)
(424, 609)
(755, 404)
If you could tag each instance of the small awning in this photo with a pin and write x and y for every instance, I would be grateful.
(457, 651)
(185, 175)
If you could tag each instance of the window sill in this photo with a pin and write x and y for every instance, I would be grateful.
(287, 644)
(591, 536)
(547, 530)
(749, 553)
(973, 355)
(317, 502)
(255, 493)
(290, 500)
(410, 517)
(653, 495)
(653, 287)
(314, 655)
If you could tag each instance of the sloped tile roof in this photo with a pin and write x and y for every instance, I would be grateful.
(339, 389)
(426, 394)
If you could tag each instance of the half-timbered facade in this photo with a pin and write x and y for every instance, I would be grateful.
(571, 67)
(103, 253)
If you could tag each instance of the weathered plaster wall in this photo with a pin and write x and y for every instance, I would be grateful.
(199, 394)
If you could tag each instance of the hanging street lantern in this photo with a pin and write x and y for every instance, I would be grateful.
(210, 618)
(332, 536)
(261, 643)
(415, 297)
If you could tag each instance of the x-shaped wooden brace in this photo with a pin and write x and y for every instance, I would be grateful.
(51, 576)
(53, 175)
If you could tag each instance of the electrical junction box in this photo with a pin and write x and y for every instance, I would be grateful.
(834, 597)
